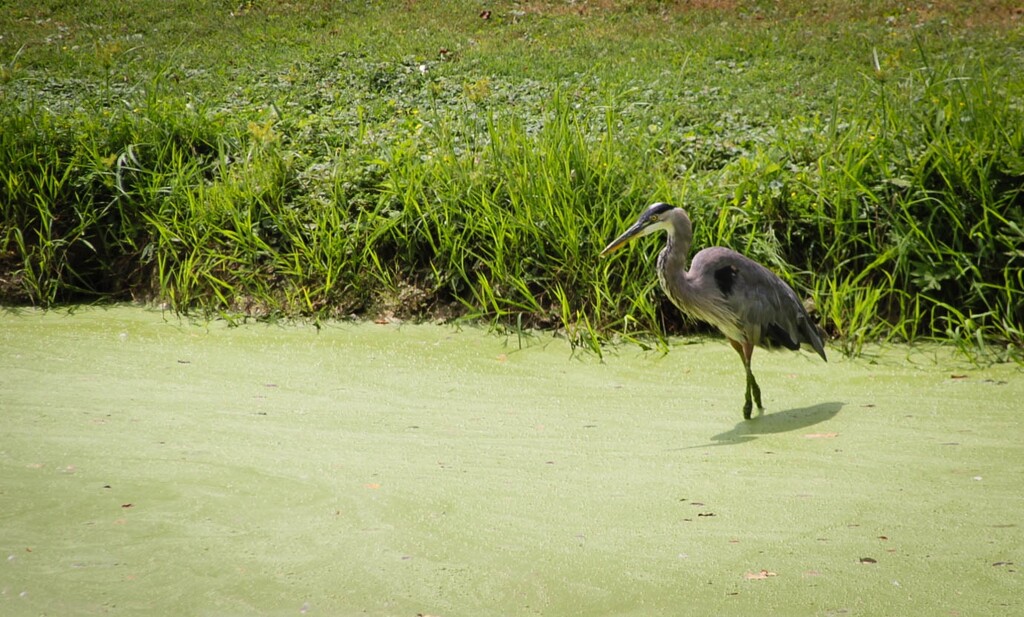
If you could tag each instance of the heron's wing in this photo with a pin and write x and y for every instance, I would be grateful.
(766, 307)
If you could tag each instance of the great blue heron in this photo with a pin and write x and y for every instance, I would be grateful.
(746, 301)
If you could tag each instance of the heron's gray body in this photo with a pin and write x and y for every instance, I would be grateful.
(747, 302)
(744, 300)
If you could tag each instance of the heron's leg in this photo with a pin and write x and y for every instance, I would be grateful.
(748, 351)
(747, 404)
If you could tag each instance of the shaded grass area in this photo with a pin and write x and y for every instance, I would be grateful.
(428, 159)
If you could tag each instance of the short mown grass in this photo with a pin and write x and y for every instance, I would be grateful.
(444, 159)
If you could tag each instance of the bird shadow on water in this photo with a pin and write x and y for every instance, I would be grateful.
(779, 422)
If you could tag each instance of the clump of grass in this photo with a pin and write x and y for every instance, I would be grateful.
(928, 207)
(510, 225)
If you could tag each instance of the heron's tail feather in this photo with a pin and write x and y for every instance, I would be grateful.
(809, 334)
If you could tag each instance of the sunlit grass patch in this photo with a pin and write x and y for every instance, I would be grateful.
(429, 160)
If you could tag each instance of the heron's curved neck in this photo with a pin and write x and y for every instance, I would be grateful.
(675, 255)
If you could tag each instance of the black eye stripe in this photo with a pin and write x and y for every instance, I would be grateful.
(658, 209)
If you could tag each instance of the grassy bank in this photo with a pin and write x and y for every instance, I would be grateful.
(451, 158)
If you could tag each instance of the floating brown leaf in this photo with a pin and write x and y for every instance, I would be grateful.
(759, 576)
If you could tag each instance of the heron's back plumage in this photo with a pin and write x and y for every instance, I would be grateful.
(766, 308)
(743, 299)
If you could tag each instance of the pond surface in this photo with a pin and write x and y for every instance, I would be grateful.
(155, 466)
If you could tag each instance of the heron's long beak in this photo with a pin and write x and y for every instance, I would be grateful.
(632, 233)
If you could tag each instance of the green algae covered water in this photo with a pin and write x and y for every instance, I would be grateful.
(155, 466)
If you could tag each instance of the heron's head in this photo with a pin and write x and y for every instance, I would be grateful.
(656, 217)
